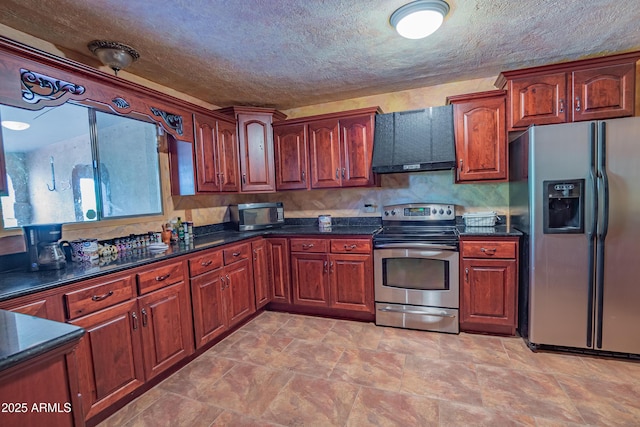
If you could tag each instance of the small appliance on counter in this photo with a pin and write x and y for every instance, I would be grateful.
(257, 216)
(43, 246)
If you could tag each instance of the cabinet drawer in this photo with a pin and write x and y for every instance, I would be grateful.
(488, 249)
(160, 277)
(350, 246)
(207, 262)
(236, 253)
(309, 245)
(94, 298)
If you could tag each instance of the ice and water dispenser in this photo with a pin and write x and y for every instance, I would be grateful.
(563, 206)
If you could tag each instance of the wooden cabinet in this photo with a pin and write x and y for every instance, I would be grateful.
(480, 136)
(593, 89)
(279, 269)
(222, 288)
(216, 155)
(255, 139)
(489, 279)
(261, 277)
(291, 156)
(110, 362)
(334, 273)
(339, 147)
(165, 316)
(40, 305)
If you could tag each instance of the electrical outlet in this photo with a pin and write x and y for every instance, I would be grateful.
(369, 208)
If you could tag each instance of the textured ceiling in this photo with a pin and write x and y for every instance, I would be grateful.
(286, 53)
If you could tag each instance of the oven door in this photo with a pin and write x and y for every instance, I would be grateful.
(420, 277)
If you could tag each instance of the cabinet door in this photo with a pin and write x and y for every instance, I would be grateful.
(110, 364)
(488, 294)
(166, 328)
(256, 152)
(207, 173)
(291, 157)
(309, 279)
(356, 142)
(279, 270)
(50, 307)
(538, 100)
(228, 157)
(208, 307)
(261, 282)
(351, 282)
(239, 293)
(324, 154)
(481, 139)
(604, 93)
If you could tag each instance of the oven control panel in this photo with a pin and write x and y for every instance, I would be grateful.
(419, 212)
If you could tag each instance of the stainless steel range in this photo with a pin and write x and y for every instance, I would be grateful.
(416, 268)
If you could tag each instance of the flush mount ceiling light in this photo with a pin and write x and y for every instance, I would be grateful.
(419, 19)
(13, 125)
(113, 54)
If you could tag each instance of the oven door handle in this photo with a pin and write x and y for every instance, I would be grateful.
(422, 313)
(414, 246)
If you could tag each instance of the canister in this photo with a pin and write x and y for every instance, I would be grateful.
(324, 222)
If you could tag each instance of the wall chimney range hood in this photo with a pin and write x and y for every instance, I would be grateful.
(414, 141)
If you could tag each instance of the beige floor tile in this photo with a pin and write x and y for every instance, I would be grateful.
(348, 334)
(196, 376)
(125, 414)
(311, 358)
(454, 414)
(387, 408)
(370, 368)
(306, 327)
(256, 348)
(175, 411)
(232, 419)
(424, 344)
(307, 401)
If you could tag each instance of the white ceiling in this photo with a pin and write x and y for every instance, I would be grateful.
(292, 53)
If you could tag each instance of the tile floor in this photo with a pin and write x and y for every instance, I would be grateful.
(291, 370)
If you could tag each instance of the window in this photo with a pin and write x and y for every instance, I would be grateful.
(75, 164)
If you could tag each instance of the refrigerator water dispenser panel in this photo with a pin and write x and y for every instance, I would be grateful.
(563, 207)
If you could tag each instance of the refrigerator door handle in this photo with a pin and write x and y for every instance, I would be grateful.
(603, 229)
(591, 231)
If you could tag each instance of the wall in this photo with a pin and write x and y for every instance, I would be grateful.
(395, 188)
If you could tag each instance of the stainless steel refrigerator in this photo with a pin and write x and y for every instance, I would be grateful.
(575, 193)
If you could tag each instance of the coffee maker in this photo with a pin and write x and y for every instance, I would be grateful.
(43, 247)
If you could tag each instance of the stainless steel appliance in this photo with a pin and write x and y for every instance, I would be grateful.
(257, 216)
(416, 268)
(575, 193)
(43, 248)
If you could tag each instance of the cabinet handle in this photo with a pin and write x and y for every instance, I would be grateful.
(161, 278)
(459, 170)
(144, 317)
(206, 263)
(331, 267)
(343, 172)
(338, 173)
(244, 178)
(222, 284)
(307, 246)
(350, 247)
(488, 251)
(101, 297)
(228, 281)
(237, 254)
(221, 178)
(303, 177)
(134, 316)
(466, 275)
(326, 270)
(561, 105)
(255, 255)
(578, 103)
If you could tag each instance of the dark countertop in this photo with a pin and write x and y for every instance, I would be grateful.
(498, 230)
(19, 283)
(23, 337)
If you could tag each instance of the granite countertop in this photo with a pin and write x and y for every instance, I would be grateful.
(19, 283)
(23, 337)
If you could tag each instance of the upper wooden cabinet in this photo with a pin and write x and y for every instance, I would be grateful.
(255, 138)
(326, 151)
(593, 89)
(481, 136)
(216, 155)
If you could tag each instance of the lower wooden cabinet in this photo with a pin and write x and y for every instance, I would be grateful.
(224, 295)
(110, 362)
(261, 277)
(279, 269)
(489, 285)
(322, 276)
(47, 307)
